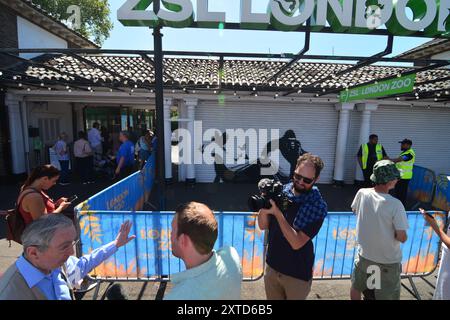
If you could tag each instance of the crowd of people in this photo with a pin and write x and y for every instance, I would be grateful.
(93, 153)
(47, 269)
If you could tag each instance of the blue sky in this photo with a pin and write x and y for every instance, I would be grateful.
(249, 41)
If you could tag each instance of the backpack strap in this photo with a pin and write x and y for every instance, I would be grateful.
(23, 195)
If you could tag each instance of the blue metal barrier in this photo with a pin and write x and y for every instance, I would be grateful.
(128, 194)
(441, 199)
(335, 246)
(421, 187)
(149, 257)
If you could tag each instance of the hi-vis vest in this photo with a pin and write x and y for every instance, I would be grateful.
(406, 167)
(365, 154)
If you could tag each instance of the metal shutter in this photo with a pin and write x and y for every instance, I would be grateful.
(429, 129)
(49, 129)
(314, 125)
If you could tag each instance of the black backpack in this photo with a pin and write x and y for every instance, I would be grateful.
(14, 221)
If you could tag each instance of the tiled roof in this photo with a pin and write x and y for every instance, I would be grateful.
(48, 21)
(427, 49)
(125, 71)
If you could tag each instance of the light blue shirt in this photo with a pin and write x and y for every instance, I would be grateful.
(53, 285)
(219, 278)
(61, 150)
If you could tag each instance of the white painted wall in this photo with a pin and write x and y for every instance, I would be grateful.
(61, 111)
(32, 36)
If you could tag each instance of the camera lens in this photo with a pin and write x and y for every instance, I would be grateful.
(256, 203)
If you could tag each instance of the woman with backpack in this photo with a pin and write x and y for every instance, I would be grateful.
(33, 200)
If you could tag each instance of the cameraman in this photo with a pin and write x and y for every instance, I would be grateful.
(290, 255)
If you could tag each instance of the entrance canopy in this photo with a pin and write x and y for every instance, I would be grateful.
(218, 73)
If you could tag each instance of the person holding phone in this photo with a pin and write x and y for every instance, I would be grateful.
(442, 291)
(33, 201)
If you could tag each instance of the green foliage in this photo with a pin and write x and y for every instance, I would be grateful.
(95, 22)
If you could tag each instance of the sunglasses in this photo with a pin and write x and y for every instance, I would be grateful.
(299, 177)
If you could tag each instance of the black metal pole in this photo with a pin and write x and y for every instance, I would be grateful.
(159, 104)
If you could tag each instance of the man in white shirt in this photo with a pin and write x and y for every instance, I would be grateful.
(210, 274)
(381, 228)
(95, 139)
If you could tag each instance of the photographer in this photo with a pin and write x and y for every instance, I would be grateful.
(290, 255)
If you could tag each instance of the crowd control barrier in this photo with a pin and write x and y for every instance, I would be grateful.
(128, 194)
(149, 257)
(421, 187)
(441, 199)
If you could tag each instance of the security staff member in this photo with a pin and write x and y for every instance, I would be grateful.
(368, 154)
(405, 164)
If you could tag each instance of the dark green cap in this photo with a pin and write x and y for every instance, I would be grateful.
(384, 171)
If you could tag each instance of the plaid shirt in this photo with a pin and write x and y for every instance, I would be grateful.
(312, 206)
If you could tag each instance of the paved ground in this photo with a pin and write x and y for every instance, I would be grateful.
(225, 197)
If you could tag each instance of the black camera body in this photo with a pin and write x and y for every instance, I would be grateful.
(270, 189)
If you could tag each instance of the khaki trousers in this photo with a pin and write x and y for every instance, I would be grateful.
(282, 287)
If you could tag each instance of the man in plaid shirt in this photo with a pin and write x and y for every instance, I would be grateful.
(290, 255)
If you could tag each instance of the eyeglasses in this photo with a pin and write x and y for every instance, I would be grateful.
(69, 245)
(299, 177)
(61, 248)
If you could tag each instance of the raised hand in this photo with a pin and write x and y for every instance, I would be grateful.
(122, 237)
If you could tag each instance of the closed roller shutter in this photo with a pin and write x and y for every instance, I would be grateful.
(429, 129)
(315, 127)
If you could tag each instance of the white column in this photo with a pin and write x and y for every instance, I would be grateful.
(190, 167)
(167, 140)
(341, 144)
(366, 109)
(79, 117)
(182, 115)
(16, 135)
(26, 139)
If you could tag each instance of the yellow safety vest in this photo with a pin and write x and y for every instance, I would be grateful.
(406, 167)
(365, 154)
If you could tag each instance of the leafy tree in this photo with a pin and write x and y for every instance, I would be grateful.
(95, 22)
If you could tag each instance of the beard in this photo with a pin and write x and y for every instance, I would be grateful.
(302, 189)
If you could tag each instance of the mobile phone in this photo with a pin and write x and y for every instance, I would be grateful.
(429, 214)
(72, 198)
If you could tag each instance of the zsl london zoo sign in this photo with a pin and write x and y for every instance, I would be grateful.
(350, 16)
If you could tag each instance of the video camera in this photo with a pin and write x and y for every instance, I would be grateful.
(270, 189)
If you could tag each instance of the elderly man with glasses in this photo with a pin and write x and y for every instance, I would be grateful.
(290, 254)
(47, 270)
